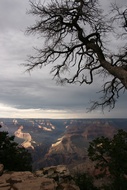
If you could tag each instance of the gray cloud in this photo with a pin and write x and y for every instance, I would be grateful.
(37, 91)
(13, 14)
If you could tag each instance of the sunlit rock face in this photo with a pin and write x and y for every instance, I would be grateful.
(66, 150)
(46, 126)
(71, 147)
(26, 136)
(57, 142)
(69, 144)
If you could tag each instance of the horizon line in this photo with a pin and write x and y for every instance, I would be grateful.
(62, 118)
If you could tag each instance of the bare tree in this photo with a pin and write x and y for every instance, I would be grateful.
(75, 33)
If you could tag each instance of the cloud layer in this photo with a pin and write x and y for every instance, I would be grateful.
(36, 94)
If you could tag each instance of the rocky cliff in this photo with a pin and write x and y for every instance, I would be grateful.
(51, 178)
(71, 148)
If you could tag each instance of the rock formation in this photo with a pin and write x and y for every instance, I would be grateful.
(25, 136)
(71, 147)
(50, 178)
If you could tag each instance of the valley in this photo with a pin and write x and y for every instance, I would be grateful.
(59, 141)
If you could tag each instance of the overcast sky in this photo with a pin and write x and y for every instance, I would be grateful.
(23, 95)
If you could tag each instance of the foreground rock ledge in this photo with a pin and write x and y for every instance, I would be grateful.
(50, 178)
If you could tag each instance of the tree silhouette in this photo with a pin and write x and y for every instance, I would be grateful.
(75, 34)
(110, 156)
(12, 156)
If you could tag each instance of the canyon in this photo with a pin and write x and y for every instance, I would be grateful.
(54, 142)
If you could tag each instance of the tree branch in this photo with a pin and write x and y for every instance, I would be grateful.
(74, 33)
